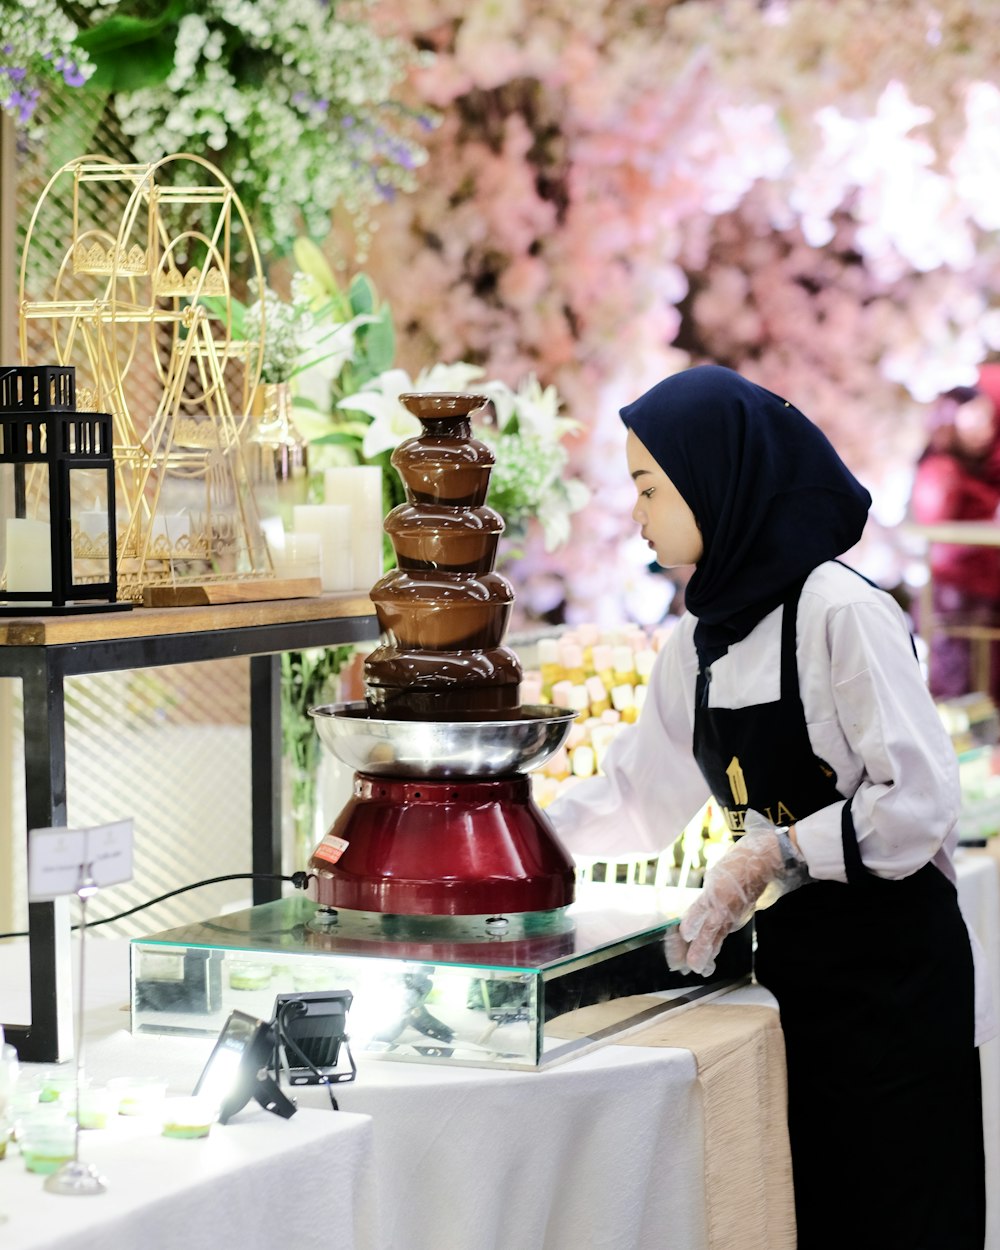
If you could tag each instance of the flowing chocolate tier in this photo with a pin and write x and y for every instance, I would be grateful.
(431, 685)
(443, 538)
(444, 611)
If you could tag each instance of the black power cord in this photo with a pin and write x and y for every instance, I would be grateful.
(299, 879)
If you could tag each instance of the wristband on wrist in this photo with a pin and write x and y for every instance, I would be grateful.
(790, 857)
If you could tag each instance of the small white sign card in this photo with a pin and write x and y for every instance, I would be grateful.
(60, 860)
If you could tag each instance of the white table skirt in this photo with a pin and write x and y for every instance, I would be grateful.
(604, 1151)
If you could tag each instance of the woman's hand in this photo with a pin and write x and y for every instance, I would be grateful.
(733, 885)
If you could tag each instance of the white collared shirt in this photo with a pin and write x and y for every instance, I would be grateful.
(868, 714)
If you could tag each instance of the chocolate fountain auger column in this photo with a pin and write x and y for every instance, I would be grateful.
(442, 821)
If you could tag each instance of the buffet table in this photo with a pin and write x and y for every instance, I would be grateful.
(629, 1147)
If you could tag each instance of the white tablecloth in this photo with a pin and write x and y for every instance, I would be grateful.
(605, 1151)
(256, 1181)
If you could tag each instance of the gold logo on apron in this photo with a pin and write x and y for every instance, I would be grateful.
(737, 782)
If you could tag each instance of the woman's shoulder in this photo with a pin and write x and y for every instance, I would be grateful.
(832, 587)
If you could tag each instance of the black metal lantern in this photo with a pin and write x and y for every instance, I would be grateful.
(57, 497)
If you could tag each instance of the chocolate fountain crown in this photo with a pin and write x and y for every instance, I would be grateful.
(443, 611)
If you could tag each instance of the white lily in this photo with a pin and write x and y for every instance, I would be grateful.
(455, 377)
(556, 509)
(391, 422)
(324, 350)
(504, 401)
(538, 409)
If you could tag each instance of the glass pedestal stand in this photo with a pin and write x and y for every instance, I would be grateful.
(436, 989)
(75, 1177)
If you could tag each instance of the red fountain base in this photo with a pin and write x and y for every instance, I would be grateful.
(442, 848)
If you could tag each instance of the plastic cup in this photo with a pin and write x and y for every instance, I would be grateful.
(188, 1117)
(138, 1095)
(47, 1142)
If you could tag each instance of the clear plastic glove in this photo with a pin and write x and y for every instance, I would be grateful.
(763, 857)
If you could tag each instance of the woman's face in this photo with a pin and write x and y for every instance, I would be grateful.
(975, 426)
(667, 523)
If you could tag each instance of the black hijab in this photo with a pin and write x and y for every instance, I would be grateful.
(771, 496)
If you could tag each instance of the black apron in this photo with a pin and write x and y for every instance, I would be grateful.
(874, 981)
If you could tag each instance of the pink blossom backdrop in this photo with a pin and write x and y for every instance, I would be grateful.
(806, 191)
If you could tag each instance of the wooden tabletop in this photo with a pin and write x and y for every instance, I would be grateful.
(958, 533)
(142, 622)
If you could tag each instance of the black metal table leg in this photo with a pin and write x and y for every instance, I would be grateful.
(49, 1036)
(265, 773)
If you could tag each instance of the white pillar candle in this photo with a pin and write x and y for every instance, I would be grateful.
(360, 487)
(94, 525)
(300, 555)
(273, 530)
(333, 524)
(173, 526)
(29, 555)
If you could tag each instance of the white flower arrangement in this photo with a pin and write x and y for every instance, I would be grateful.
(337, 348)
(529, 478)
(301, 336)
(297, 103)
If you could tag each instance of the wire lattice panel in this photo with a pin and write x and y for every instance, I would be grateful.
(170, 748)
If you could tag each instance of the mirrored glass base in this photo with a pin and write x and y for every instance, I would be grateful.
(456, 990)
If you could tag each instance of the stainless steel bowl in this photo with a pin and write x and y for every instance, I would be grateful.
(522, 740)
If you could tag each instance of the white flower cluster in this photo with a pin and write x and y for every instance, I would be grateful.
(285, 325)
(530, 478)
(298, 98)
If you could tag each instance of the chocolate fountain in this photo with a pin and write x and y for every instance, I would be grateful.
(441, 822)
(441, 896)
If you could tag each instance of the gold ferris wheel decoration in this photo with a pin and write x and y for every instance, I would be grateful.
(140, 302)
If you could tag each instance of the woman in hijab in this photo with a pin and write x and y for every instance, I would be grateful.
(790, 692)
(958, 479)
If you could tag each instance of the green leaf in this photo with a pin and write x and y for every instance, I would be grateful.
(362, 294)
(146, 65)
(150, 44)
(338, 438)
(216, 305)
(314, 264)
(120, 31)
(380, 343)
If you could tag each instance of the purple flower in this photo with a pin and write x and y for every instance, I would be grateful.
(22, 103)
(72, 76)
(15, 73)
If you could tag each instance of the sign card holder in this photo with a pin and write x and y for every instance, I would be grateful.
(80, 862)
